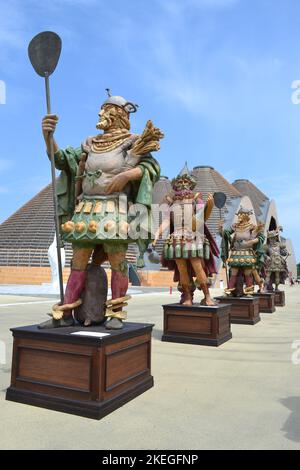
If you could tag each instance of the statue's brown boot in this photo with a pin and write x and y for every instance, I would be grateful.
(62, 314)
(119, 287)
(231, 285)
(62, 323)
(249, 289)
(207, 298)
(186, 296)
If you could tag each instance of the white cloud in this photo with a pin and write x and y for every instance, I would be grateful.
(178, 61)
(12, 25)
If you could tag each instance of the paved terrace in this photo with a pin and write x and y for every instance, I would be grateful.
(242, 395)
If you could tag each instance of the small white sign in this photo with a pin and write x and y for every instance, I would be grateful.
(90, 333)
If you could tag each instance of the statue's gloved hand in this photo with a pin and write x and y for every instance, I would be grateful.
(49, 123)
(221, 226)
(248, 243)
(117, 183)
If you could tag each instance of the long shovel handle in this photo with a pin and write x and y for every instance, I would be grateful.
(54, 195)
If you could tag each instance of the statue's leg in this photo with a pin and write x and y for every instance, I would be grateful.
(99, 256)
(62, 314)
(267, 282)
(249, 289)
(259, 280)
(119, 287)
(187, 297)
(202, 280)
(277, 280)
(191, 291)
(232, 281)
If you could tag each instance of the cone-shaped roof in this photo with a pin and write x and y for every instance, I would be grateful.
(185, 170)
(258, 198)
(161, 188)
(211, 181)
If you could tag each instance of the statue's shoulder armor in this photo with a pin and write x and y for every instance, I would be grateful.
(86, 145)
(128, 142)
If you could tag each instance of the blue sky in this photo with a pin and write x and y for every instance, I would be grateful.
(214, 75)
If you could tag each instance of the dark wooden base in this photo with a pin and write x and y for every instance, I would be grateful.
(244, 310)
(279, 298)
(82, 375)
(198, 324)
(266, 302)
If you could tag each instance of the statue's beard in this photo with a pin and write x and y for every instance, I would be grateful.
(105, 123)
(244, 220)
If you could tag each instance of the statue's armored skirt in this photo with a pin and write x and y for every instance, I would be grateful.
(242, 258)
(184, 242)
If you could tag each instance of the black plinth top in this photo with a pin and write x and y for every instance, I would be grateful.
(268, 294)
(64, 334)
(197, 306)
(245, 298)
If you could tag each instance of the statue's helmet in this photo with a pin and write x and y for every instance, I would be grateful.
(242, 210)
(120, 102)
(271, 234)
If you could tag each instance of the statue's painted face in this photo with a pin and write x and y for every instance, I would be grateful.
(107, 116)
(183, 184)
(243, 218)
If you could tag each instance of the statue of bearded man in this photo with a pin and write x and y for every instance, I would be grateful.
(99, 181)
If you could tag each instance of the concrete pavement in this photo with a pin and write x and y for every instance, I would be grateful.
(242, 395)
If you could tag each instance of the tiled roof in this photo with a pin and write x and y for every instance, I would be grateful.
(211, 181)
(27, 234)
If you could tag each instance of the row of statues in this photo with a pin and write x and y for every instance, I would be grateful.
(190, 249)
(105, 193)
(251, 258)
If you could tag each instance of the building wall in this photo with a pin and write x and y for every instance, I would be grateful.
(291, 260)
(39, 275)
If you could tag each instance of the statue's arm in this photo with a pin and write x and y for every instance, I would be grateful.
(145, 164)
(61, 157)
(49, 123)
(208, 207)
(119, 181)
(161, 229)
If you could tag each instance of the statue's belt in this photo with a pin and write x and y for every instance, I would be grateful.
(91, 176)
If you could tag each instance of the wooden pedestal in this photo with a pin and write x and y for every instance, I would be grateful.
(83, 375)
(244, 310)
(266, 302)
(279, 298)
(198, 324)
